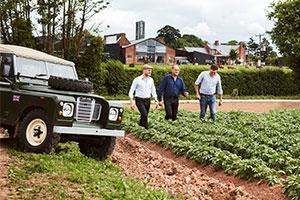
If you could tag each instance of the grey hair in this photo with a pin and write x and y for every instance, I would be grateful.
(175, 66)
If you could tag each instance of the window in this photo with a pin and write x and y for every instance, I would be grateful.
(61, 70)
(151, 49)
(160, 59)
(141, 58)
(6, 65)
(32, 68)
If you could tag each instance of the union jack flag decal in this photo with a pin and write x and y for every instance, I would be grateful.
(16, 98)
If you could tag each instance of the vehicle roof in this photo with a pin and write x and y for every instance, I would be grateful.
(25, 52)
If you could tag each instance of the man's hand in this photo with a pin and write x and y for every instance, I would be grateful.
(220, 102)
(160, 103)
(156, 105)
(198, 96)
(132, 105)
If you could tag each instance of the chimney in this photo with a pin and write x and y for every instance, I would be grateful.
(217, 43)
(162, 39)
(242, 54)
(139, 30)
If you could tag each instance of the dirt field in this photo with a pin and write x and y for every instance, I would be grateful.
(246, 106)
(4, 160)
(178, 175)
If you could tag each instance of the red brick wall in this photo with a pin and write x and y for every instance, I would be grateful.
(242, 52)
(130, 56)
(169, 53)
(123, 40)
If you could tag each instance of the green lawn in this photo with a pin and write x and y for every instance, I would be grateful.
(68, 174)
(253, 146)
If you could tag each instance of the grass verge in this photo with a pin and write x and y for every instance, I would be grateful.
(68, 174)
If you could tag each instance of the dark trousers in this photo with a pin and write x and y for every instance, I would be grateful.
(171, 107)
(143, 106)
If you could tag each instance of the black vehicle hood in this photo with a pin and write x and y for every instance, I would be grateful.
(49, 90)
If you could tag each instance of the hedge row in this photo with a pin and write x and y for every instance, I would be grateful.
(240, 81)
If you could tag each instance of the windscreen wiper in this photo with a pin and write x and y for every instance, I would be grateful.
(38, 75)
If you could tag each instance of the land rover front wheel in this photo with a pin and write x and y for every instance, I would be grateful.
(97, 147)
(35, 133)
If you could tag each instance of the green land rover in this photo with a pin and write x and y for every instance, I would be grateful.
(42, 102)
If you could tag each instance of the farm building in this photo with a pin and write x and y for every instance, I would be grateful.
(140, 51)
(211, 52)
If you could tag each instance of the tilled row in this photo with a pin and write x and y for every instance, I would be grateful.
(163, 173)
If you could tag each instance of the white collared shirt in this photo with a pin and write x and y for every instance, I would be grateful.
(143, 88)
(209, 84)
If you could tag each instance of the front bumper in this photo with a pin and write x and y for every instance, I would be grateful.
(88, 131)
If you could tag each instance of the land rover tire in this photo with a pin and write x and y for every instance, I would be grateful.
(70, 84)
(97, 147)
(35, 133)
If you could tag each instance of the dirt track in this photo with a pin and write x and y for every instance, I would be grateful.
(4, 160)
(178, 175)
(249, 106)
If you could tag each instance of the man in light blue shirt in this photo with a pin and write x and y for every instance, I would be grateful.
(206, 85)
(141, 90)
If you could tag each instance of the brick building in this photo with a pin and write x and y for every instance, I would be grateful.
(213, 52)
(141, 51)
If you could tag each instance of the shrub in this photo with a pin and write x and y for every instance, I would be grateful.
(115, 78)
(240, 81)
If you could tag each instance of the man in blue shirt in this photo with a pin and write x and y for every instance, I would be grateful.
(205, 87)
(170, 88)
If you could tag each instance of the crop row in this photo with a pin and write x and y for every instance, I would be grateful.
(253, 146)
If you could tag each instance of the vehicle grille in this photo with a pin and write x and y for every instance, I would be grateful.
(87, 110)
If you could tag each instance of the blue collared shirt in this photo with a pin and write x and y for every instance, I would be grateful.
(170, 87)
(142, 87)
(209, 84)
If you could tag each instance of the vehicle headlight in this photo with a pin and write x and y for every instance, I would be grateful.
(113, 114)
(68, 109)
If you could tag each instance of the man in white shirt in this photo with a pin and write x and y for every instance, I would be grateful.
(141, 90)
(205, 87)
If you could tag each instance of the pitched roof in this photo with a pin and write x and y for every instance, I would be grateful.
(196, 49)
(32, 54)
(223, 49)
(134, 42)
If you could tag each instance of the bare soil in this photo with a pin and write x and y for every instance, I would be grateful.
(249, 106)
(181, 176)
(4, 160)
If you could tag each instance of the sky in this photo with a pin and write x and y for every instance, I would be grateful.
(210, 20)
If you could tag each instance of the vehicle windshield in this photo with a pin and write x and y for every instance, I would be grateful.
(61, 70)
(43, 70)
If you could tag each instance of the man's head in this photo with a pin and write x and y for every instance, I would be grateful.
(147, 70)
(175, 70)
(213, 69)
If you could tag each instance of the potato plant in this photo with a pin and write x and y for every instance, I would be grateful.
(253, 146)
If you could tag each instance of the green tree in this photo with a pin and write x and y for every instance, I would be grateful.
(15, 22)
(268, 55)
(263, 51)
(232, 42)
(232, 55)
(285, 33)
(188, 40)
(169, 34)
(89, 64)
